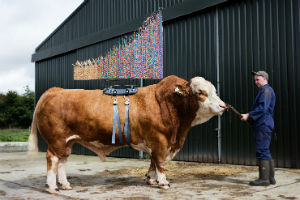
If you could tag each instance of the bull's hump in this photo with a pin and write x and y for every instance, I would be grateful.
(171, 78)
(54, 89)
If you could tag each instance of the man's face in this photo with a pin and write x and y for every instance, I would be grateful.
(260, 81)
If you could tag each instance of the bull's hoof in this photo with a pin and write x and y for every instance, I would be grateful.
(151, 181)
(164, 186)
(66, 187)
(53, 191)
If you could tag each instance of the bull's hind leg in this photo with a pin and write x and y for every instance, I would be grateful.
(62, 176)
(52, 165)
(151, 176)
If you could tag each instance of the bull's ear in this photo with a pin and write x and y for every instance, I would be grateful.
(180, 90)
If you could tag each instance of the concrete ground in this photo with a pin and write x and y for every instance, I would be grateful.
(13, 146)
(22, 178)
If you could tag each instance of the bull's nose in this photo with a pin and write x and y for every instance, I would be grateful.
(223, 106)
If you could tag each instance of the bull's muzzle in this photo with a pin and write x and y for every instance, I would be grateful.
(224, 107)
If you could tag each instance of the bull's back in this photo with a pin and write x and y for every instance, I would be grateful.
(89, 113)
(69, 111)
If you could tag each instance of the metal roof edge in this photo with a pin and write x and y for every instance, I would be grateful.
(170, 13)
(67, 19)
(188, 7)
(93, 38)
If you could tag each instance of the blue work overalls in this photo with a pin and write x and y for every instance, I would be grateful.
(263, 123)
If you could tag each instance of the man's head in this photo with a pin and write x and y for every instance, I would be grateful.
(260, 78)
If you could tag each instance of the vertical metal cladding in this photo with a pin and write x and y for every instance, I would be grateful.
(189, 51)
(96, 15)
(252, 35)
(260, 35)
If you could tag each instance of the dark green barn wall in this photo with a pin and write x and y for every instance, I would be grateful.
(242, 35)
(189, 51)
(260, 35)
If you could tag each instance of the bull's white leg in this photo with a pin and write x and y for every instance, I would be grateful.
(151, 174)
(162, 179)
(151, 177)
(52, 163)
(62, 176)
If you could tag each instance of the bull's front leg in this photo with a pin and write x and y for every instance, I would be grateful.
(151, 177)
(161, 177)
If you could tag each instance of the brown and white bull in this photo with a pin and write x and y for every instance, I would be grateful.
(160, 117)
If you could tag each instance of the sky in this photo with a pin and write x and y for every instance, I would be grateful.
(24, 25)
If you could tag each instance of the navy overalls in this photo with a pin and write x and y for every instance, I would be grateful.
(263, 123)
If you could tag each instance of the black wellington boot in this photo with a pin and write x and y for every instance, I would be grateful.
(259, 170)
(272, 173)
(264, 174)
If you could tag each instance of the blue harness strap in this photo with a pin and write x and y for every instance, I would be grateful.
(126, 125)
(116, 119)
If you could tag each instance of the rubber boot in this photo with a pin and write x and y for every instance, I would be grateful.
(272, 173)
(259, 171)
(264, 174)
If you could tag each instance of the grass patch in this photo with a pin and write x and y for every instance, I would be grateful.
(14, 135)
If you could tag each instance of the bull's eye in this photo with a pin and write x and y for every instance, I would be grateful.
(202, 97)
(203, 92)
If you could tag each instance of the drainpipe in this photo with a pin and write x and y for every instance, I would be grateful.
(218, 82)
(140, 152)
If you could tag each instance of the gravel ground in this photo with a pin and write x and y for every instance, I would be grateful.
(22, 178)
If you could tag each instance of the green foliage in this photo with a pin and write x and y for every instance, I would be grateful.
(16, 110)
(146, 156)
(14, 135)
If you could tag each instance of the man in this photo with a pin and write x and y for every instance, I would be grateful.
(261, 115)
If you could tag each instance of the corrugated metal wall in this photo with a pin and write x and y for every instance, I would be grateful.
(262, 35)
(190, 51)
(241, 35)
(97, 15)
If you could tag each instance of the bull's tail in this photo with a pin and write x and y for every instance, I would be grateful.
(33, 140)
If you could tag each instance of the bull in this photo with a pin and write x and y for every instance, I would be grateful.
(160, 117)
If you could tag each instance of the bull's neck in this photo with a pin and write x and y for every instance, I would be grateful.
(186, 114)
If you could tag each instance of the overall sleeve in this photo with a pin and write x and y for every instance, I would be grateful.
(263, 103)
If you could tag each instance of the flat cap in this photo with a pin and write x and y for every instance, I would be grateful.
(261, 73)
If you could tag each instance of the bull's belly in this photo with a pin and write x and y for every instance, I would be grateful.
(98, 148)
(102, 150)
(169, 154)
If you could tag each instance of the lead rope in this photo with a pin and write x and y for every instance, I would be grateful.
(116, 119)
(126, 125)
(250, 120)
(233, 109)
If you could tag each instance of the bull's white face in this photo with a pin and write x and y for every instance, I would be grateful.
(209, 102)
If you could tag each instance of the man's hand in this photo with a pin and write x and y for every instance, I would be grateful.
(244, 117)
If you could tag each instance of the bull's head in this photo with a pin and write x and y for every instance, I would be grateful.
(209, 102)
